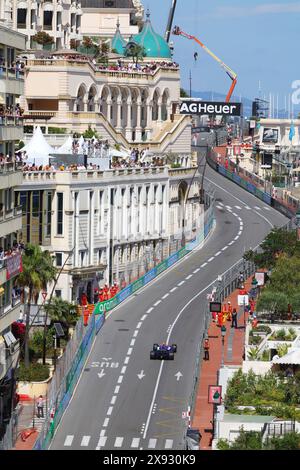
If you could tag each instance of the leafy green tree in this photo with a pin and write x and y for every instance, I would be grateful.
(41, 37)
(60, 310)
(87, 42)
(183, 93)
(277, 242)
(90, 133)
(135, 51)
(246, 440)
(38, 272)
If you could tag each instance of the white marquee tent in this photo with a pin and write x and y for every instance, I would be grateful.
(66, 147)
(37, 149)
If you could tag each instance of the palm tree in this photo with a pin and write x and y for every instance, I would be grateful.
(38, 272)
(60, 310)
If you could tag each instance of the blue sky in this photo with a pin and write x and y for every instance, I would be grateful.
(259, 40)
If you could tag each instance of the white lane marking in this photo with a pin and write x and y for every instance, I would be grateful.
(119, 441)
(235, 215)
(267, 208)
(210, 259)
(238, 207)
(139, 325)
(85, 441)
(239, 200)
(248, 208)
(228, 207)
(102, 442)
(258, 208)
(196, 271)
(132, 342)
(219, 207)
(241, 224)
(123, 369)
(150, 310)
(117, 389)
(231, 243)
(169, 444)
(189, 276)
(152, 443)
(156, 303)
(129, 351)
(239, 218)
(168, 340)
(202, 265)
(239, 233)
(174, 288)
(135, 442)
(135, 333)
(225, 248)
(68, 441)
(221, 204)
(235, 238)
(110, 410)
(180, 283)
(113, 400)
(165, 296)
(121, 377)
(144, 317)
(126, 360)
(105, 423)
(217, 254)
(102, 433)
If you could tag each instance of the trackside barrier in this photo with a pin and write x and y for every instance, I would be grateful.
(108, 305)
(67, 387)
(289, 209)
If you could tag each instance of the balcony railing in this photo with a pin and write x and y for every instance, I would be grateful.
(12, 120)
(8, 71)
(8, 167)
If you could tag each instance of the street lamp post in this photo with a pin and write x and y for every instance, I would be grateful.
(223, 333)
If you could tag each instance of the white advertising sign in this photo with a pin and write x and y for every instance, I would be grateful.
(260, 277)
(243, 299)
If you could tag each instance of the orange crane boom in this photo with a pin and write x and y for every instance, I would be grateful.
(178, 32)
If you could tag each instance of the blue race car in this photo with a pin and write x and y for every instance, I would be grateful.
(163, 351)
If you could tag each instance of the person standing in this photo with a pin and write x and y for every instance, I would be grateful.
(234, 318)
(206, 349)
(40, 407)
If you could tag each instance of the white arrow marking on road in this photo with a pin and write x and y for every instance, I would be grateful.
(178, 375)
(141, 375)
(101, 374)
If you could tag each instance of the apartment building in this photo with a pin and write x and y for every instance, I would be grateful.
(11, 131)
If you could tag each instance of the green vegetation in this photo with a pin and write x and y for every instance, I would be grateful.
(252, 440)
(270, 394)
(183, 93)
(90, 133)
(38, 272)
(254, 339)
(284, 335)
(278, 241)
(62, 311)
(57, 130)
(43, 38)
(135, 51)
(34, 372)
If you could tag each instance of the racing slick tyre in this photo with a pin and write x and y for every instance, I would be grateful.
(152, 355)
(155, 347)
(171, 356)
(174, 346)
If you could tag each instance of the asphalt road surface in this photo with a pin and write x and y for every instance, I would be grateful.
(125, 401)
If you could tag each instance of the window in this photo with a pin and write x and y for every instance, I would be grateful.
(57, 292)
(60, 206)
(21, 18)
(48, 220)
(58, 259)
(48, 20)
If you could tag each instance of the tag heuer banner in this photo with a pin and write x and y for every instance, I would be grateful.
(214, 108)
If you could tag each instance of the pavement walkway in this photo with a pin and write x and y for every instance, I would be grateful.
(233, 355)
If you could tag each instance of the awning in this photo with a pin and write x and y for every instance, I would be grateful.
(9, 339)
(291, 358)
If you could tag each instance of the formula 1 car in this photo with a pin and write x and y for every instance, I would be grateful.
(163, 351)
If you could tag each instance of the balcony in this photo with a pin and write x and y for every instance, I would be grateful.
(10, 313)
(11, 128)
(10, 221)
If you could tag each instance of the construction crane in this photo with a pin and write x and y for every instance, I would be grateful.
(170, 21)
(178, 32)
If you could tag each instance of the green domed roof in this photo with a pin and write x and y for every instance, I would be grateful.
(118, 43)
(153, 43)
